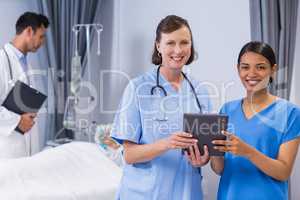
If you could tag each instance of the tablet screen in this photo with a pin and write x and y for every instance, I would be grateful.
(206, 128)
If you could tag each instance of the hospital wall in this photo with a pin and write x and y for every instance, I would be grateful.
(10, 11)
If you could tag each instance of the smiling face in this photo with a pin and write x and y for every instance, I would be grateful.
(175, 48)
(255, 71)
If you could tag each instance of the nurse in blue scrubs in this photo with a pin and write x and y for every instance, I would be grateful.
(150, 122)
(263, 137)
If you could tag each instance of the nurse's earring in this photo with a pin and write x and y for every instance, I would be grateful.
(271, 80)
(272, 76)
(159, 57)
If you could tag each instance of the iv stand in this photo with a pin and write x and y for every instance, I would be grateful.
(99, 29)
(72, 101)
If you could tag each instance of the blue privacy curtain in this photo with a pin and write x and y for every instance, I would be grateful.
(59, 49)
(274, 22)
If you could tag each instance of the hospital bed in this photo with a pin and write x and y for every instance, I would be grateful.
(74, 171)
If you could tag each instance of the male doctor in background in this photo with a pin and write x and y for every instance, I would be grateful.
(30, 35)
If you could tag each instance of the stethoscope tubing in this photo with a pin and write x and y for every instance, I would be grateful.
(165, 92)
(9, 64)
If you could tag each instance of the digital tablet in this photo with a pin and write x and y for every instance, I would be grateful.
(206, 128)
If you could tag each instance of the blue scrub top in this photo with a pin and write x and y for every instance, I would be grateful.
(266, 131)
(144, 118)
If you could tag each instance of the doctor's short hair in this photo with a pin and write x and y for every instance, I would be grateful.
(260, 48)
(170, 24)
(31, 19)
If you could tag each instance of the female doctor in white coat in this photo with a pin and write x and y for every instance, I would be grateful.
(30, 33)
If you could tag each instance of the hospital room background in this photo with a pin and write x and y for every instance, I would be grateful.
(220, 28)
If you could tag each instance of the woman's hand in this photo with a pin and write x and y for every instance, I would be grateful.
(194, 156)
(137, 153)
(178, 140)
(234, 145)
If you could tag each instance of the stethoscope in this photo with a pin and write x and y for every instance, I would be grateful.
(11, 82)
(158, 86)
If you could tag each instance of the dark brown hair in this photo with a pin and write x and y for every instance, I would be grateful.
(31, 19)
(167, 25)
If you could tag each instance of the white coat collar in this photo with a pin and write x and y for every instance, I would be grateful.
(18, 72)
(17, 52)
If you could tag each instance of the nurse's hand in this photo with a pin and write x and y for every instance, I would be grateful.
(26, 122)
(234, 145)
(179, 140)
(195, 157)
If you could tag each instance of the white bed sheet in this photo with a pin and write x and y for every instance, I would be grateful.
(74, 171)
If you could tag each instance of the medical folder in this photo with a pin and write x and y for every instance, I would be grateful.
(24, 99)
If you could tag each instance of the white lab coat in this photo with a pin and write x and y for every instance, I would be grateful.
(12, 143)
